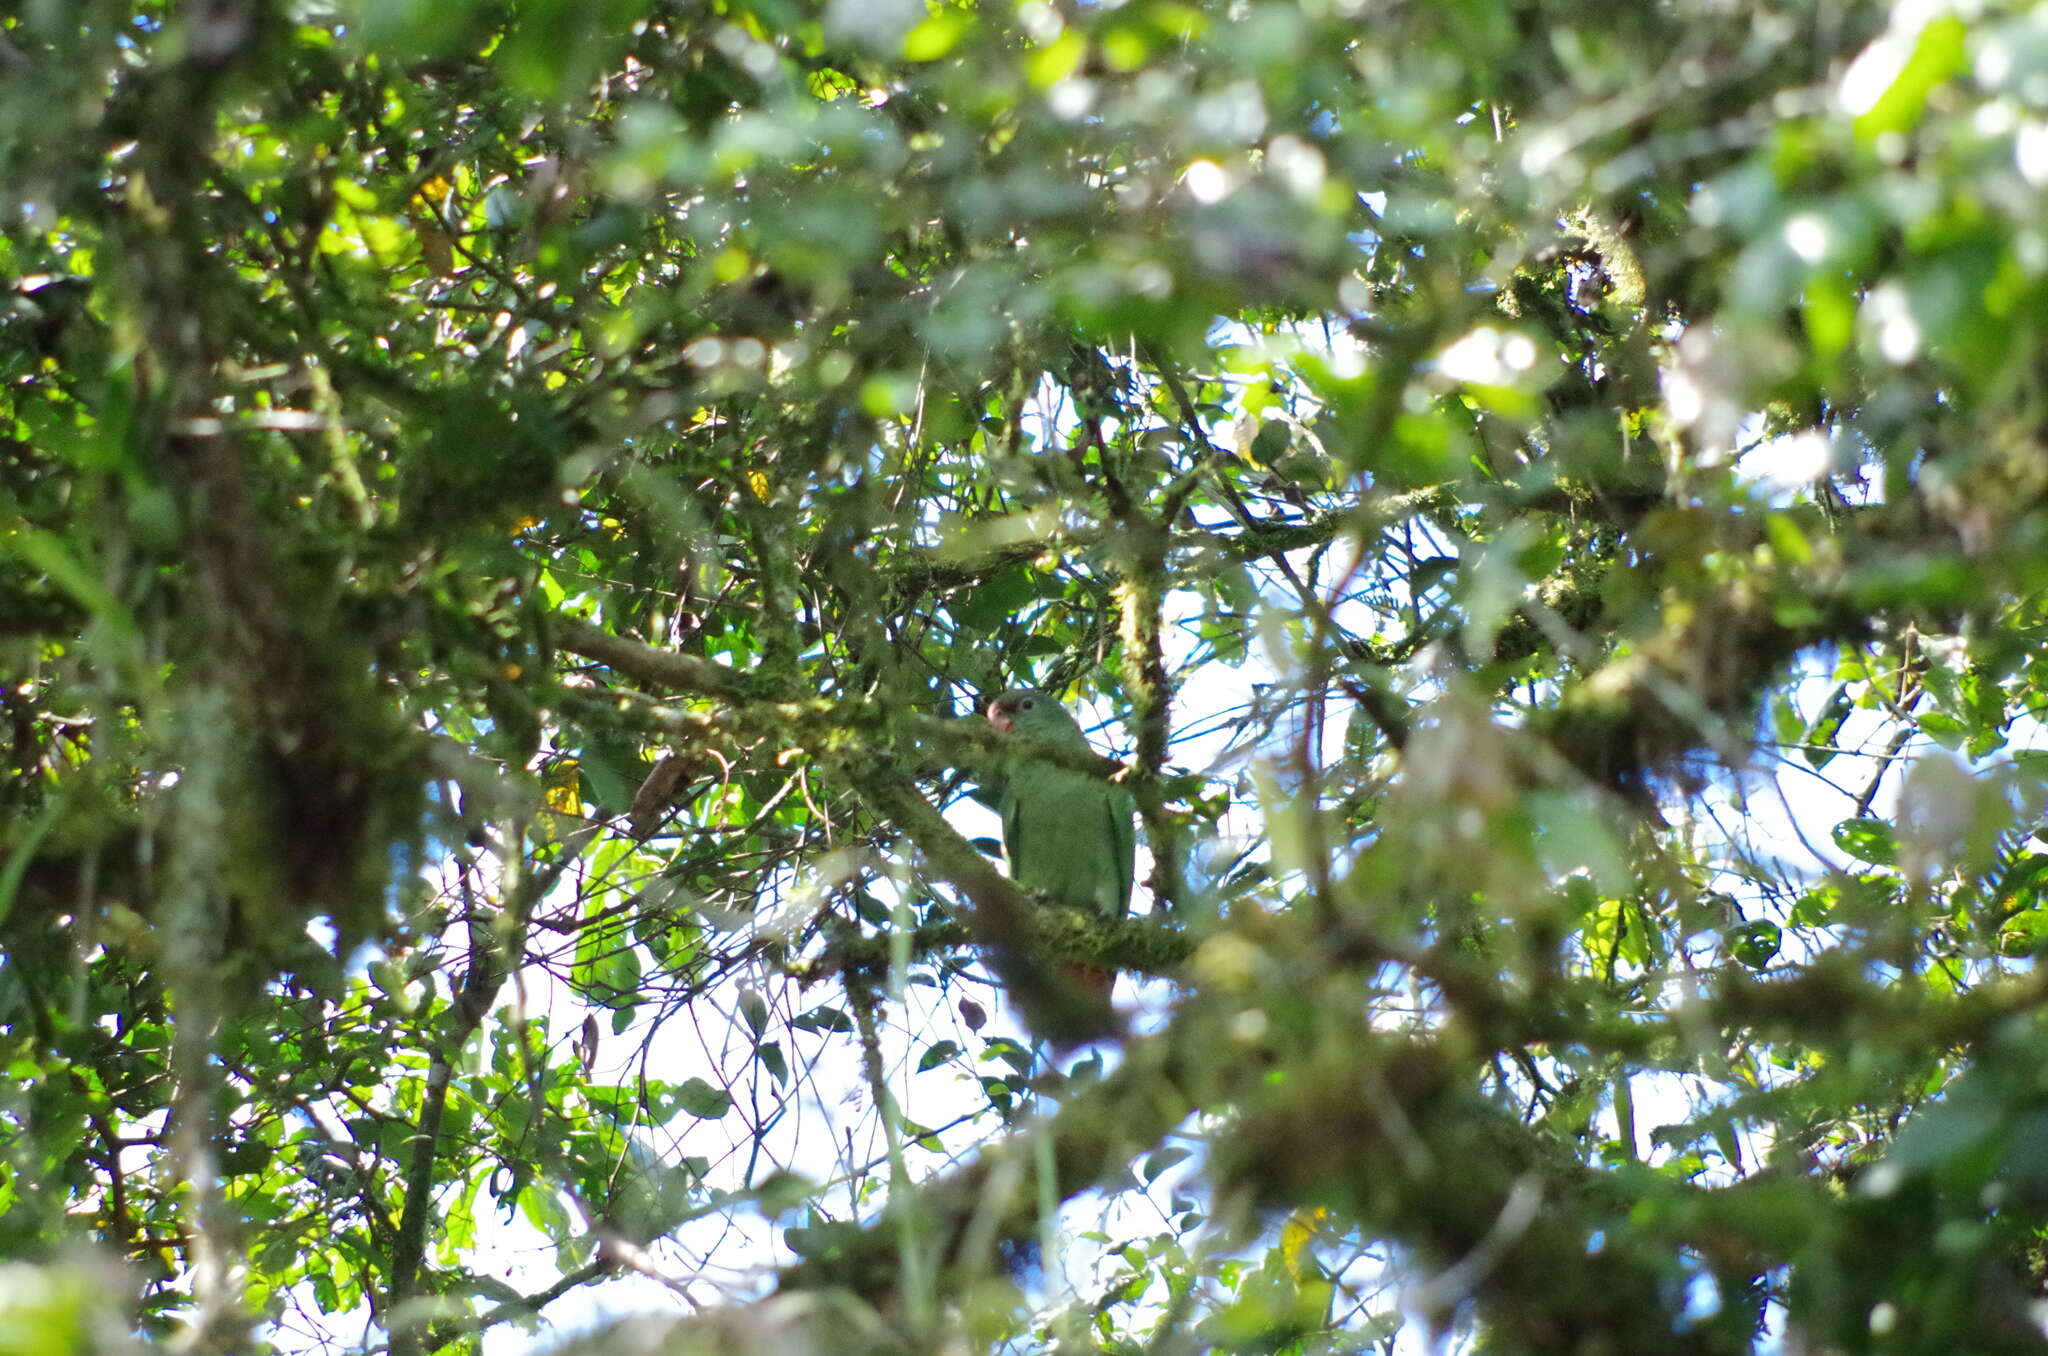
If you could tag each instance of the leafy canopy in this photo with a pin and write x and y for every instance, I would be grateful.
(507, 513)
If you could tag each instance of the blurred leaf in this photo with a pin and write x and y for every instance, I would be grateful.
(1819, 736)
(702, 1100)
(1869, 840)
(1754, 943)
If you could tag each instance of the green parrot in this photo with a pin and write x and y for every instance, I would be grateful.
(1067, 835)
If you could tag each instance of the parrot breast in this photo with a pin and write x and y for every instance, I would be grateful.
(1068, 835)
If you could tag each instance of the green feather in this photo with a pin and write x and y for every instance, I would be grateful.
(1066, 834)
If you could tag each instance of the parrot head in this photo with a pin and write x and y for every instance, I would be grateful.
(1022, 713)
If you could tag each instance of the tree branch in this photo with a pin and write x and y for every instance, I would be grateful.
(649, 666)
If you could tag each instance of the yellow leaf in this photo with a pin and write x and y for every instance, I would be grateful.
(934, 37)
(1056, 60)
(561, 791)
(354, 194)
(562, 787)
(1295, 1236)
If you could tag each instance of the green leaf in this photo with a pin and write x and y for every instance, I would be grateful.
(2024, 934)
(543, 1209)
(1271, 443)
(1869, 840)
(1159, 1160)
(754, 1009)
(1820, 736)
(1902, 77)
(49, 553)
(1943, 729)
(996, 600)
(1572, 835)
(616, 976)
(1755, 943)
(1786, 539)
(921, 1135)
(823, 1018)
(702, 1100)
(1007, 1051)
(936, 36)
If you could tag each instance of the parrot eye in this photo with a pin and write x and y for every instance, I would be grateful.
(1026, 704)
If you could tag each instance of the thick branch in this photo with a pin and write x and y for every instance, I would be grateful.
(1144, 945)
(649, 666)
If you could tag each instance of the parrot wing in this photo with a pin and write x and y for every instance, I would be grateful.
(1071, 836)
(1123, 838)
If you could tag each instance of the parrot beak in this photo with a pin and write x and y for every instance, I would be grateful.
(1000, 717)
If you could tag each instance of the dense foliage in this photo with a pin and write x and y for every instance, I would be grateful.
(509, 511)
